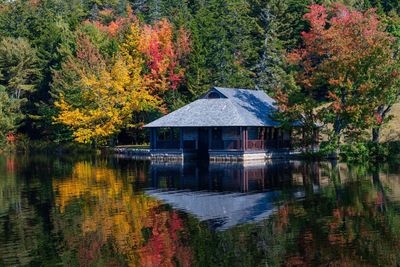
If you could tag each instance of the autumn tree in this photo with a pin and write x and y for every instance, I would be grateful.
(120, 69)
(160, 47)
(164, 56)
(391, 97)
(346, 68)
(109, 91)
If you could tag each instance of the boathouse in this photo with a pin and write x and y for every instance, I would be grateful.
(224, 124)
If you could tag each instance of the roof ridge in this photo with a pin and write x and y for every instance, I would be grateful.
(231, 88)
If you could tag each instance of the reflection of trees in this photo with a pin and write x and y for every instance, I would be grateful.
(9, 189)
(118, 225)
(14, 225)
(91, 214)
(25, 230)
(348, 222)
(343, 225)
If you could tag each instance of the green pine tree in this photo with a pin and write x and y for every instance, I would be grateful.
(226, 43)
(19, 70)
(10, 114)
(277, 23)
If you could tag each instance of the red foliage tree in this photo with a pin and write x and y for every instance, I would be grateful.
(163, 55)
(346, 66)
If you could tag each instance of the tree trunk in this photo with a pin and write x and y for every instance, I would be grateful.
(94, 144)
(315, 140)
(337, 127)
(376, 133)
(382, 112)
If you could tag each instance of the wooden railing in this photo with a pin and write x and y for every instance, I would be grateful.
(226, 144)
(250, 144)
(267, 144)
(255, 145)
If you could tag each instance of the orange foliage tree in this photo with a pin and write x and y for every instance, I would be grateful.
(163, 55)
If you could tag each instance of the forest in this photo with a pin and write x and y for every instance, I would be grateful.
(95, 71)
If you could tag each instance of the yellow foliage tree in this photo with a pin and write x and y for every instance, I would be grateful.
(109, 97)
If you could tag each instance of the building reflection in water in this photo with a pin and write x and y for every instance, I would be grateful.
(225, 195)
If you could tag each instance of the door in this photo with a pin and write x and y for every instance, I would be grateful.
(203, 145)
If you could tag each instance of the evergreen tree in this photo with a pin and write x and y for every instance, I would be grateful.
(226, 43)
(10, 114)
(19, 72)
(276, 22)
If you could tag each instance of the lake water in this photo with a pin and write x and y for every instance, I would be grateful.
(108, 211)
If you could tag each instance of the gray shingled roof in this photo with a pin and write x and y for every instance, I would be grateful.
(238, 107)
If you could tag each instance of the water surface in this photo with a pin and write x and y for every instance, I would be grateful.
(108, 211)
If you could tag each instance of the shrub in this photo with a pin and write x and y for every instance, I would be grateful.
(355, 152)
(368, 151)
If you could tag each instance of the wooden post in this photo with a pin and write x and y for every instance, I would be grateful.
(244, 138)
(197, 138)
(181, 138)
(262, 137)
(278, 138)
(151, 138)
(154, 140)
(209, 138)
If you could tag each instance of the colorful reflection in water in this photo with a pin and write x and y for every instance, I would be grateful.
(117, 212)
